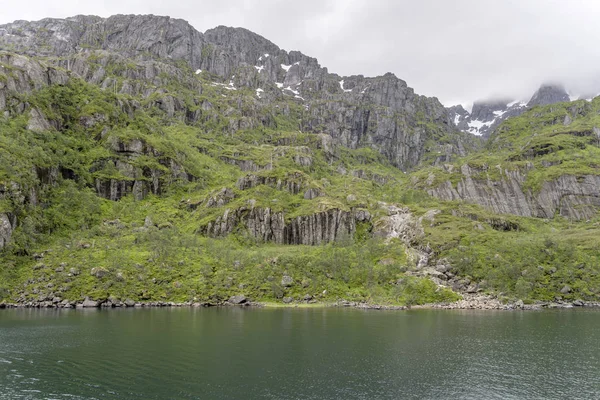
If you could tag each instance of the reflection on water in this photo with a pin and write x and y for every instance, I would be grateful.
(233, 353)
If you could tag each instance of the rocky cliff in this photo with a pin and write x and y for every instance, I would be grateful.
(381, 112)
(541, 164)
(573, 197)
(265, 225)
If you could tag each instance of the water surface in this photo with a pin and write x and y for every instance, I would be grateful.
(234, 353)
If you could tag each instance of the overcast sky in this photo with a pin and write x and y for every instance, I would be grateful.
(456, 50)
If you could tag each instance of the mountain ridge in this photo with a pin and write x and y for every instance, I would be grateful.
(487, 115)
(293, 72)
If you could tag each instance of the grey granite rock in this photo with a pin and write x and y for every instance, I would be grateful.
(577, 198)
(548, 93)
(269, 226)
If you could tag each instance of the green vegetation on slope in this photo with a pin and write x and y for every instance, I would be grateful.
(163, 170)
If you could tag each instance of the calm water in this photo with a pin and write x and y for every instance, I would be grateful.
(298, 354)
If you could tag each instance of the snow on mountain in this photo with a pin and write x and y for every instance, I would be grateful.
(486, 115)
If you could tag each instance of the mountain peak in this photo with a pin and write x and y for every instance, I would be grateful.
(549, 93)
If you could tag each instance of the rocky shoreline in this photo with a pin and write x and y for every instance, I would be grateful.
(487, 302)
(469, 302)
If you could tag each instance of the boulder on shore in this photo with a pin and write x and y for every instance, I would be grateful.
(238, 299)
(88, 303)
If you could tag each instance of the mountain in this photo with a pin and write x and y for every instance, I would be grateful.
(383, 112)
(486, 116)
(144, 161)
(548, 94)
(540, 164)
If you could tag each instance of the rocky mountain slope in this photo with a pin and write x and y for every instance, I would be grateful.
(382, 112)
(143, 160)
(486, 116)
(541, 164)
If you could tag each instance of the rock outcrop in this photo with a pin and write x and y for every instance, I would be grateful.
(292, 183)
(140, 181)
(6, 229)
(266, 225)
(399, 223)
(576, 198)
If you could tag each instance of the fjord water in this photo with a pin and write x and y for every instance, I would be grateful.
(234, 353)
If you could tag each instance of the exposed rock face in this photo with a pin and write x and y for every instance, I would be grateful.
(293, 183)
(220, 198)
(381, 112)
(459, 116)
(238, 299)
(399, 223)
(88, 303)
(6, 229)
(137, 180)
(162, 37)
(548, 94)
(486, 115)
(577, 198)
(488, 110)
(268, 226)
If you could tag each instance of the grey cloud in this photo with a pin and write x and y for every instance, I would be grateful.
(459, 51)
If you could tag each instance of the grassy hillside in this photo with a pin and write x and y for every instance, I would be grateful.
(113, 194)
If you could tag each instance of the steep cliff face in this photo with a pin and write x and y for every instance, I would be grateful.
(267, 226)
(543, 164)
(381, 112)
(144, 35)
(573, 197)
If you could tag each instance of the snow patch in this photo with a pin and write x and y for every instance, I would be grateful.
(258, 92)
(517, 103)
(198, 71)
(279, 84)
(476, 125)
(231, 86)
(259, 68)
(292, 90)
(299, 97)
(342, 86)
(593, 97)
(286, 67)
(499, 113)
(456, 119)
(224, 86)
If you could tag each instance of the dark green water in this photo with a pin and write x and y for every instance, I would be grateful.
(298, 354)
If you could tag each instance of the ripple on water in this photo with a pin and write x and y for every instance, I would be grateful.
(299, 354)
